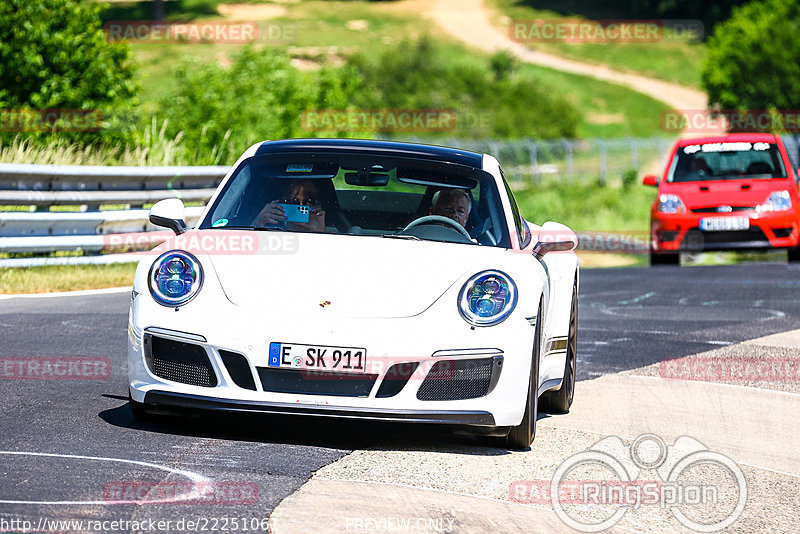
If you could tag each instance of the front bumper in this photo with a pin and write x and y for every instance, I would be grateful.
(164, 400)
(682, 233)
(507, 347)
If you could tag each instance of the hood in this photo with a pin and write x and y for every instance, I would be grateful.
(712, 193)
(345, 276)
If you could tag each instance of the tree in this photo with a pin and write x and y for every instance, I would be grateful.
(753, 60)
(158, 10)
(54, 54)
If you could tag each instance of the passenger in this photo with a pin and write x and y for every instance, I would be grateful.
(302, 193)
(453, 203)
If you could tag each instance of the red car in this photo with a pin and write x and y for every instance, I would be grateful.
(731, 192)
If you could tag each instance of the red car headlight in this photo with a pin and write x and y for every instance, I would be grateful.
(671, 204)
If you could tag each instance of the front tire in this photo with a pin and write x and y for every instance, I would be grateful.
(560, 400)
(521, 436)
(664, 259)
(794, 254)
(140, 413)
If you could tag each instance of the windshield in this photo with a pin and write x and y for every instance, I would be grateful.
(726, 161)
(362, 196)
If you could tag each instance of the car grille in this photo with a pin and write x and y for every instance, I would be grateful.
(238, 368)
(178, 361)
(457, 380)
(714, 209)
(309, 382)
(752, 238)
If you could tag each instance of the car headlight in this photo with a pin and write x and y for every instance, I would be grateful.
(671, 204)
(487, 298)
(175, 278)
(777, 201)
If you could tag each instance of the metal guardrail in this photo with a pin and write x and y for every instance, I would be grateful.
(53, 224)
(96, 198)
(16, 176)
(43, 232)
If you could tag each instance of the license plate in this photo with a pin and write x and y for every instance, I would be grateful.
(318, 357)
(725, 223)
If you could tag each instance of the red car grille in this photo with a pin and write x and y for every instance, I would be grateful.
(715, 209)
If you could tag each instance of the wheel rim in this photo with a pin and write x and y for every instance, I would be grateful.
(572, 346)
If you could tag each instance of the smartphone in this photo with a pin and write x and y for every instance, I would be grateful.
(296, 213)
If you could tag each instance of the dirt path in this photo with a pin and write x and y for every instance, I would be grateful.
(470, 21)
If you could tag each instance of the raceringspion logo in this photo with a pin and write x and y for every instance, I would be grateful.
(591, 491)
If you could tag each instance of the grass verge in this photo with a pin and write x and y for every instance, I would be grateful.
(56, 278)
(590, 207)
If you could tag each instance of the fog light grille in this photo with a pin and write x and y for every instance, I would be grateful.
(457, 380)
(186, 363)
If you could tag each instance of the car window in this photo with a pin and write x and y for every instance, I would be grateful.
(726, 161)
(523, 233)
(362, 195)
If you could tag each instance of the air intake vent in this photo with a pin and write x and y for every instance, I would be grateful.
(457, 380)
(186, 363)
(396, 378)
(238, 368)
(782, 232)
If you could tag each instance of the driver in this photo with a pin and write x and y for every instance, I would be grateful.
(453, 203)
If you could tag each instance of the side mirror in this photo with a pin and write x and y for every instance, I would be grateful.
(650, 179)
(554, 237)
(169, 214)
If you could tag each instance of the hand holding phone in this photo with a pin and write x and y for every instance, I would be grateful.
(296, 213)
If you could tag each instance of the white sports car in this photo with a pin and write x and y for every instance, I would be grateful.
(359, 279)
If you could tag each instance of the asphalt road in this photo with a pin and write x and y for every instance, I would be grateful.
(628, 318)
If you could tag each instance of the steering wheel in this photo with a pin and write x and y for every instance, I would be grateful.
(432, 219)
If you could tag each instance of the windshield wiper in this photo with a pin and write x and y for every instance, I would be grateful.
(402, 236)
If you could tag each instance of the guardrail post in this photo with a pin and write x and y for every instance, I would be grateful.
(568, 155)
(533, 158)
(603, 155)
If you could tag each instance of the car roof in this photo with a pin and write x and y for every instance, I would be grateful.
(733, 137)
(361, 146)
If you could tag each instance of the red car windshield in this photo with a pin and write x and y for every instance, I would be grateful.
(727, 161)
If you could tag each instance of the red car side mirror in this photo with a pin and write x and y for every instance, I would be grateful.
(650, 179)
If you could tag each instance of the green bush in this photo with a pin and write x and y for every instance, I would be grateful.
(490, 98)
(753, 60)
(260, 96)
(54, 54)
